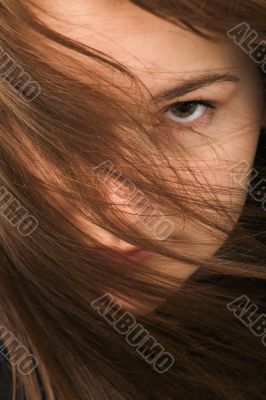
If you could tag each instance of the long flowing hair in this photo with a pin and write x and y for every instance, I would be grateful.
(68, 135)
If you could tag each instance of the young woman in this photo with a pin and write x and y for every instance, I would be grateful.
(132, 200)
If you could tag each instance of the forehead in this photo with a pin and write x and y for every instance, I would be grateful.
(154, 49)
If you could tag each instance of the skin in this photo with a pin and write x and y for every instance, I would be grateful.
(161, 55)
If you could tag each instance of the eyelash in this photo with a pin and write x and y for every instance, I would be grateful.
(209, 104)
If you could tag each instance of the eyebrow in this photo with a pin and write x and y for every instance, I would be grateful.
(192, 84)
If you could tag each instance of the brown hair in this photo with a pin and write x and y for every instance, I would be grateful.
(48, 279)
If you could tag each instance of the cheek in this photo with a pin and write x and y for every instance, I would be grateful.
(243, 130)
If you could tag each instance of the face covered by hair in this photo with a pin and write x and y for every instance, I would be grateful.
(215, 111)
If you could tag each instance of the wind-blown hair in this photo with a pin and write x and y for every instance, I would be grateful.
(55, 151)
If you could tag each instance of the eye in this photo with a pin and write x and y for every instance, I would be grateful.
(188, 111)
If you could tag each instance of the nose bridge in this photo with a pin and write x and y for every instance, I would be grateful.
(120, 199)
(136, 207)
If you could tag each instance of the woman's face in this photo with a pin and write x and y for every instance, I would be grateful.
(165, 57)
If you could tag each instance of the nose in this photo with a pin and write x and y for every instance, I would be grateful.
(103, 236)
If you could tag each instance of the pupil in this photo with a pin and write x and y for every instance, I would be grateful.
(185, 109)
